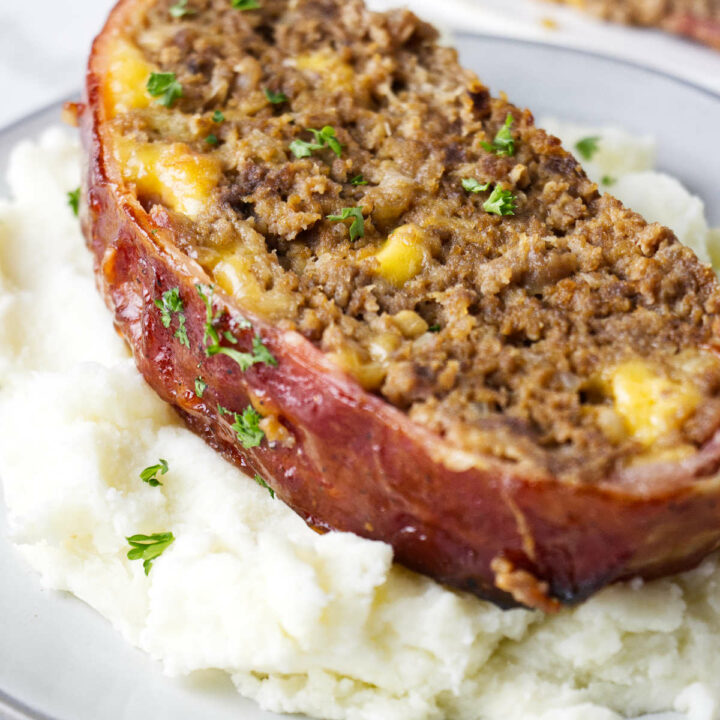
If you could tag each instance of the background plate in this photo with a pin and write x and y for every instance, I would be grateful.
(59, 660)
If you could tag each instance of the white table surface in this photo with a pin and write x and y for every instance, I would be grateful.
(44, 43)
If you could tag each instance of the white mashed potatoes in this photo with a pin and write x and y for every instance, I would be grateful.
(324, 625)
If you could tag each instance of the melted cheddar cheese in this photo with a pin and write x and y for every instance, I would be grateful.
(650, 403)
(402, 255)
(334, 73)
(126, 79)
(180, 178)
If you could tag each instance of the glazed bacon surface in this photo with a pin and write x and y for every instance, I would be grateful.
(396, 300)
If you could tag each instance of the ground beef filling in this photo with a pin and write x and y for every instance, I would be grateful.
(500, 332)
(650, 12)
(698, 19)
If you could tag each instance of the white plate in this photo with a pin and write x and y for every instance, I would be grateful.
(59, 660)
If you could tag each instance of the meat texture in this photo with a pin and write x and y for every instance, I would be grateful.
(696, 19)
(512, 469)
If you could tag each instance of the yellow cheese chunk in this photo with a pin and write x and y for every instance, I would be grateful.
(651, 404)
(126, 79)
(370, 374)
(334, 73)
(234, 273)
(410, 324)
(181, 179)
(402, 255)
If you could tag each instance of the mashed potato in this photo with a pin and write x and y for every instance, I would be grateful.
(325, 625)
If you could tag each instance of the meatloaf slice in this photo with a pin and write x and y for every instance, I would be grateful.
(695, 19)
(398, 301)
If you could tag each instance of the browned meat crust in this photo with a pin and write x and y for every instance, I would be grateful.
(696, 19)
(491, 467)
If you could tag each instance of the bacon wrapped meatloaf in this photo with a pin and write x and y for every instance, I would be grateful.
(695, 19)
(396, 300)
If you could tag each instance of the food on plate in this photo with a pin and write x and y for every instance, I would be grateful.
(397, 301)
(321, 624)
(696, 19)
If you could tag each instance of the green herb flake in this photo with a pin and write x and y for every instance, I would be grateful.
(212, 139)
(211, 338)
(222, 410)
(243, 323)
(261, 354)
(180, 9)
(181, 332)
(358, 180)
(357, 227)
(473, 186)
(149, 474)
(247, 427)
(210, 335)
(200, 387)
(434, 328)
(323, 138)
(170, 304)
(608, 180)
(302, 149)
(149, 547)
(74, 201)
(263, 484)
(243, 359)
(500, 202)
(245, 4)
(503, 143)
(587, 147)
(276, 98)
(218, 117)
(164, 86)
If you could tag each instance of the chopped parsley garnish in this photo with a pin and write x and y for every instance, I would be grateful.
(247, 427)
(263, 484)
(275, 97)
(180, 9)
(212, 139)
(74, 201)
(261, 354)
(434, 328)
(500, 202)
(218, 117)
(165, 86)
(149, 547)
(181, 332)
(211, 338)
(473, 186)
(149, 474)
(357, 227)
(588, 146)
(245, 4)
(323, 138)
(504, 143)
(223, 410)
(358, 180)
(170, 304)
(200, 387)
(243, 359)
(608, 180)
